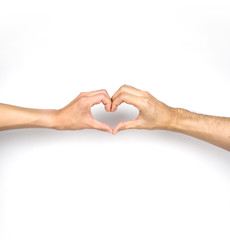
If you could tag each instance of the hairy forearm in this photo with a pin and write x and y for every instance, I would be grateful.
(13, 117)
(215, 130)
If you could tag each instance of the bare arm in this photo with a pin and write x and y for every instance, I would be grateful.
(215, 130)
(12, 117)
(157, 115)
(74, 116)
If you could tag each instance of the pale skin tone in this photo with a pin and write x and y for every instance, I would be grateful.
(153, 114)
(74, 116)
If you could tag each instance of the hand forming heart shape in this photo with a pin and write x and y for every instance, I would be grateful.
(153, 114)
(123, 113)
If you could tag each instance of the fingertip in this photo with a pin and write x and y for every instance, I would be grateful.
(115, 132)
(110, 131)
(108, 107)
(101, 126)
(113, 108)
(116, 129)
(107, 128)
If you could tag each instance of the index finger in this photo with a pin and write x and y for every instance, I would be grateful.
(98, 98)
(127, 89)
(87, 94)
(127, 98)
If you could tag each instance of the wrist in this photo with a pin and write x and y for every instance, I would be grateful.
(48, 119)
(179, 118)
(168, 119)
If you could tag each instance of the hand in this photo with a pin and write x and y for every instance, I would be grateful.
(153, 114)
(77, 114)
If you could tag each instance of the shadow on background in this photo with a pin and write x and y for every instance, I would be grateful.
(123, 113)
(11, 139)
(39, 135)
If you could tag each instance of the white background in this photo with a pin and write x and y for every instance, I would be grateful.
(138, 184)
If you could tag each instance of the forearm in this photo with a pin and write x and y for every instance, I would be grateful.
(215, 130)
(13, 117)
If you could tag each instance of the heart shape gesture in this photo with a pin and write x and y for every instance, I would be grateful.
(77, 115)
(123, 113)
(153, 114)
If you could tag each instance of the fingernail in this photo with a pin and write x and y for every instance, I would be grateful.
(114, 132)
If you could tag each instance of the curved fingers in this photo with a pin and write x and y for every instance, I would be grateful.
(127, 98)
(127, 89)
(98, 98)
(125, 125)
(101, 126)
(87, 94)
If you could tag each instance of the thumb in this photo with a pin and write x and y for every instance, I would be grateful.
(125, 125)
(101, 126)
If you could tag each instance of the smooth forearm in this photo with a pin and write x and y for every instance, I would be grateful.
(215, 130)
(74, 116)
(13, 117)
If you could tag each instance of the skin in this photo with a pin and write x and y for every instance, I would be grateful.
(75, 116)
(153, 114)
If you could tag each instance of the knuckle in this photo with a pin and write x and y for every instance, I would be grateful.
(82, 99)
(102, 91)
(147, 101)
(102, 95)
(146, 93)
(81, 94)
(121, 93)
(123, 87)
(123, 96)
